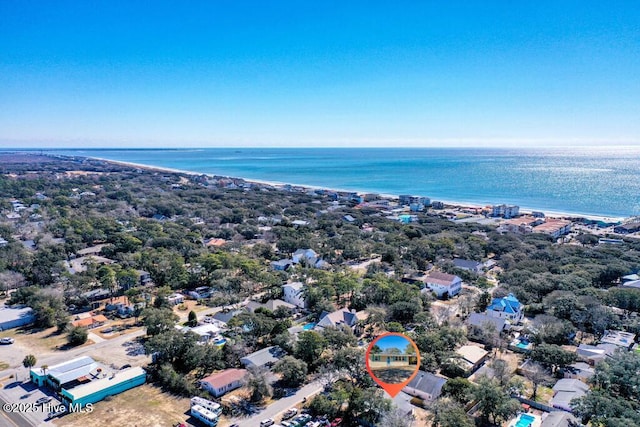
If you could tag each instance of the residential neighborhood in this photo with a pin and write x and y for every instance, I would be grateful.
(166, 288)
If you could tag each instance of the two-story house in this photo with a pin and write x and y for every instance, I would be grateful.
(508, 308)
(442, 284)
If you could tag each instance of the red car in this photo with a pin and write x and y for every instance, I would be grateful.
(336, 422)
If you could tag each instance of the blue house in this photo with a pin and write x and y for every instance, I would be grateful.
(508, 308)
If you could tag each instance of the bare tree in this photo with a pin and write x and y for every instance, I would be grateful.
(11, 280)
(501, 371)
(442, 314)
(537, 374)
(396, 418)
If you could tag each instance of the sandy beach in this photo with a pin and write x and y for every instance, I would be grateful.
(450, 203)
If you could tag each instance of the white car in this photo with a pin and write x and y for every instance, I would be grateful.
(266, 423)
(6, 341)
(289, 413)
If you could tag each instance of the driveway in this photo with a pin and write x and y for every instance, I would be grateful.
(277, 408)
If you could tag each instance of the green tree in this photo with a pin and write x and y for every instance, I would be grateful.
(29, 361)
(494, 404)
(193, 319)
(459, 389)
(158, 320)
(619, 375)
(483, 302)
(552, 356)
(293, 371)
(598, 408)
(339, 337)
(310, 347)
(448, 413)
(323, 405)
(77, 336)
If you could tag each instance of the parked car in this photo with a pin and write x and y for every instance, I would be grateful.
(289, 413)
(336, 422)
(6, 341)
(61, 410)
(43, 400)
(301, 420)
(266, 423)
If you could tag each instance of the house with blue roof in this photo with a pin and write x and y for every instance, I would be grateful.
(508, 308)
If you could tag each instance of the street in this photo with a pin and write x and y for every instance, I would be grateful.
(278, 407)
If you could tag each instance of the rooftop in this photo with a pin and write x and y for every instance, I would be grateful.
(225, 377)
(466, 263)
(508, 304)
(8, 314)
(70, 370)
(481, 320)
(294, 285)
(472, 353)
(427, 382)
(338, 317)
(111, 380)
(440, 278)
(619, 338)
(263, 357)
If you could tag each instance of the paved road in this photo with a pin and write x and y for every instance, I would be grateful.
(13, 419)
(278, 407)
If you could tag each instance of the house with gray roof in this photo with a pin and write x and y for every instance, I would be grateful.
(580, 371)
(559, 419)
(225, 316)
(264, 358)
(595, 353)
(482, 320)
(426, 386)
(339, 318)
(15, 316)
(565, 390)
(467, 264)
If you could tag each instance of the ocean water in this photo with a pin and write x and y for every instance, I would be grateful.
(595, 181)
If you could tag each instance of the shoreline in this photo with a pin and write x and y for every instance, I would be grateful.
(453, 203)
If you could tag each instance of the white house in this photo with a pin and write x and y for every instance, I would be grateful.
(506, 308)
(294, 294)
(175, 299)
(443, 283)
(301, 254)
(223, 382)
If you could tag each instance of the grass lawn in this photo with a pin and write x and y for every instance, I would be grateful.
(45, 340)
(141, 406)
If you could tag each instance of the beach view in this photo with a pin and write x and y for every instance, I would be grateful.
(319, 214)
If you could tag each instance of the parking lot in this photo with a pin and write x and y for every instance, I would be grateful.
(24, 395)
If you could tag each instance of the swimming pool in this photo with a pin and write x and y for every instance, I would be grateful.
(524, 420)
(309, 326)
(523, 345)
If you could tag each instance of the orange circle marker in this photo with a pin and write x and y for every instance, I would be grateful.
(391, 362)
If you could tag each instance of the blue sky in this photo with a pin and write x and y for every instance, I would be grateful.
(335, 73)
(392, 341)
